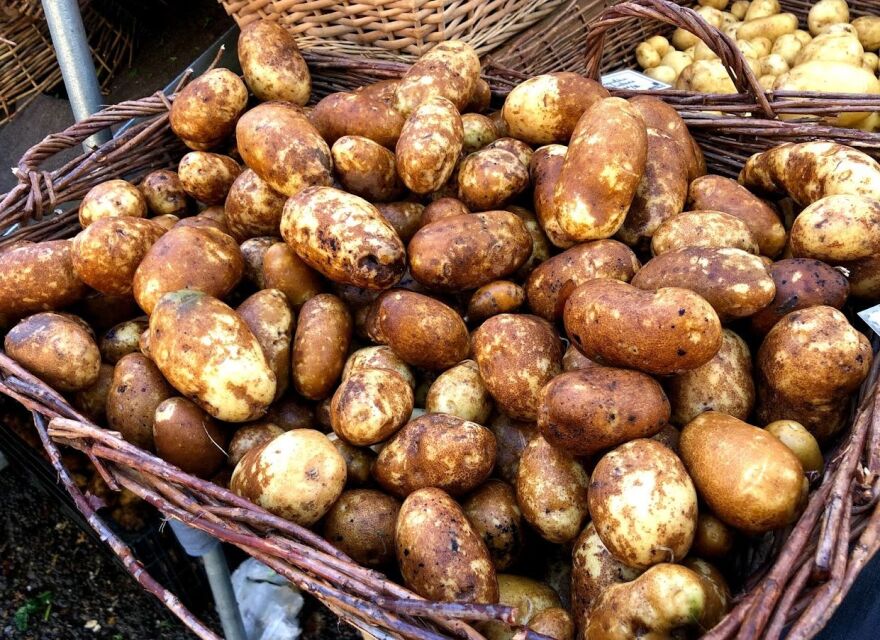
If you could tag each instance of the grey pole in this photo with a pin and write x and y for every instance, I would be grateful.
(75, 60)
(224, 597)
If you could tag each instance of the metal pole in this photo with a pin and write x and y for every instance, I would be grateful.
(224, 597)
(75, 60)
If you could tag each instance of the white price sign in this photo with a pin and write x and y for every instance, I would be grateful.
(629, 79)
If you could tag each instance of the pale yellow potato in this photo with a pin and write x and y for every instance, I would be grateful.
(787, 46)
(370, 406)
(663, 73)
(832, 47)
(826, 12)
(739, 8)
(831, 77)
(429, 145)
(801, 442)
(479, 130)
(770, 27)
(703, 228)
(528, 596)
(773, 65)
(271, 63)
(715, 4)
(706, 76)
(703, 52)
(449, 70)
(111, 199)
(762, 46)
(460, 391)
(870, 61)
(647, 56)
(660, 44)
(678, 60)
(836, 229)
(868, 30)
(762, 9)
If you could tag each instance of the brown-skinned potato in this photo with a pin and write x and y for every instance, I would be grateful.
(292, 412)
(662, 117)
(540, 243)
(361, 525)
(268, 316)
(495, 516)
(164, 193)
(206, 176)
(122, 339)
(498, 296)
(282, 269)
(38, 277)
(366, 169)
(489, 178)
(443, 208)
(92, 400)
(511, 438)
(517, 147)
(357, 114)
(404, 216)
(703, 229)
(136, 390)
(320, 345)
(370, 405)
(527, 596)
(271, 63)
(837, 228)
(206, 110)
(713, 539)
(459, 391)
(545, 166)
(249, 436)
(378, 357)
(252, 207)
(427, 151)
(110, 199)
(189, 438)
(449, 70)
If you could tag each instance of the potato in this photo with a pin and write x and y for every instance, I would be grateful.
(864, 278)
(103, 311)
(668, 331)
(593, 571)
(827, 12)
(205, 111)
(320, 345)
(801, 442)
(495, 517)
(773, 65)
(361, 525)
(545, 109)
(282, 269)
(677, 60)
(478, 131)
(837, 228)
(511, 437)
(787, 47)
(592, 205)
(647, 56)
(527, 596)
(832, 47)
(343, 237)
(188, 438)
(405, 216)
(583, 412)
(682, 39)
(663, 73)
(443, 208)
(574, 360)
(250, 436)
(868, 30)
(749, 479)
(762, 46)
(544, 168)
(370, 405)
(112, 198)
(761, 9)
(480, 98)
(366, 168)
(551, 489)
(358, 460)
(436, 450)
(252, 207)
(57, 349)
(429, 144)
(668, 436)
(166, 221)
(228, 375)
(870, 61)
(714, 539)
(703, 229)
(448, 562)
(207, 177)
(449, 70)
(489, 178)
(269, 318)
(381, 357)
(770, 27)
(498, 296)
(163, 193)
(136, 390)
(122, 339)
(357, 114)
(554, 622)
(717, 193)
(459, 391)
(283, 148)
(707, 76)
(423, 331)
(517, 147)
(207, 218)
(739, 8)
(92, 400)
(734, 282)
(272, 65)
(298, 476)
(466, 252)
(831, 77)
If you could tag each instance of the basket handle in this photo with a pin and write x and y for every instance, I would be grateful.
(684, 18)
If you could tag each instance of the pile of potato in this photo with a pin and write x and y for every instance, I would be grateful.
(524, 356)
(835, 55)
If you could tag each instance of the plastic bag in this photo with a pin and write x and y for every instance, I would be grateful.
(269, 605)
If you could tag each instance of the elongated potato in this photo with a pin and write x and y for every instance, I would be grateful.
(252, 207)
(282, 269)
(499, 296)
(449, 70)
(370, 405)
(831, 77)
(489, 178)
(271, 63)
(366, 168)
(703, 229)
(495, 516)
(429, 144)
(357, 114)
(770, 27)
(343, 237)
(837, 228)
(591, 205)
(205, 111)
(268, 316)
(136, 390)
(511, 437)
(110, 199)
(544, 169)
(466, 252)
(668, 331)
(320, 345)
(662, 117)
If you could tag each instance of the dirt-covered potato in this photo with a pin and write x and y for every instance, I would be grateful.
(137, 389)
(252, 207)
(429, 145)
(449, 70)
(662, 117)
(544, 168)
(57, 348)
(440, 208)
(660, 332)
(370, 405)
(378, 357)
(713, 539)
(545, 109)
(801, 442)
(528, 597)
(478, 131)
(583, 412)
(495, 516)
(282, 147)
(268, 316)
(489, 178)
(361, 524)
(122, 339)
(205, 111)
(447, 561)
(723, 384)
(280, 268)
(480, 98)
(166, 221)
(540, 244)
(466, 252)
(106, 254)
(357, 114)
(703, 229)
(436, 450)
(590, 204)
(343, 237)
(188, 438)
(800, 283)
(459, 391)
(404, 216)
(517, 354)
(734, 282)
(717, 193)
(92, 400)
(249, 436)
(517, 147)
(511, 438)
(298, 476)
(320, 345)
(271, 63)
(498, 296)
(212, 217)
(206, 176)
(197, 258)
(551, 490)
(749, 479)
(358, 461)
(837, 228)
(552, 282)
(366, 168)
(423, 331)
(111, 199)
(227, 375)
(164, 193)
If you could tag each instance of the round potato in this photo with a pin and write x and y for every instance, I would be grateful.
(449, 70)
(528, 597)
(430, 142)
(358, 460)
(252, 208)
(583, 412)
(227, 375)
(250, 436)
(137, 389)
(480, 98)
(868, 30)
(831, 77)
(478, 131)
(268, 316)
(545, 109)
(92, 401)
(110, 199)
(544, 168)
(459, 391)
(166, 221)
(511, 438)
(107, 253)
(551, 490)
(499, 296)
(343, 237)
(320, 345)
(122, 339)
(57, 348)
(443, 208)
(206, 176)
(357, 114)
(495, 517)
(380, 357)
(212, 260)
(488, 178)
(668, 331)
(517, 355)
(448, 562)
(361, 524)
(298, 476)
(643, 504)
(749, 479)
(801, 442)
(370, 405)
(271, 63)
(164, 193)
(837, 228)
(282, 269)
(466, 252)
(205, 111)
(713, 539)
(436, 450)
(188, 438)
(703, 229)
(517, 147)
(292, 412)
(366, 169)
(404, 216)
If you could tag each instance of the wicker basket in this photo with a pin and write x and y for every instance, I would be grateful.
(396, 29)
